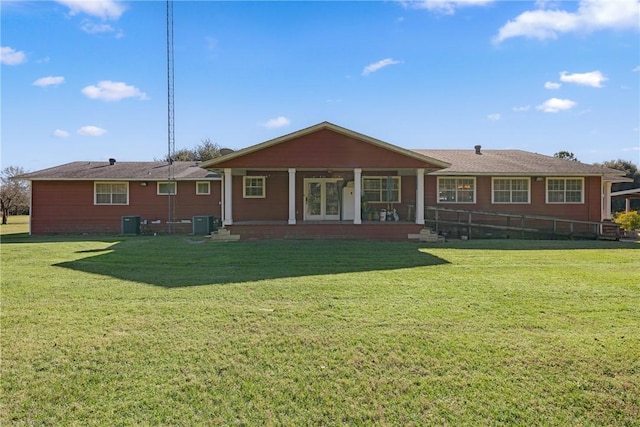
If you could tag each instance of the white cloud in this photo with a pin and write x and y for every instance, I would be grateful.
(93, 28)
(10, 56)
(372, 68)
(107, 90)
(49, 81)
(104, 9)
(521, 109)
(494, 117)
(555, 105)
(59, 133)
(552, 85)
(278, 122)
(91, 131)
(636, 69)
(591, 15)
(447, 7)
(593, 78)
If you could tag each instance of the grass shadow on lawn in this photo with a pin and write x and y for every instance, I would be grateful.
(179, 262)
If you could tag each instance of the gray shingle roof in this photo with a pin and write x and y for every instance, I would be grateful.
(125, 171)
(513, 162)
(463, 162)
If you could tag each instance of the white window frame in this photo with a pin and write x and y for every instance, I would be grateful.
(457, 185)
(95, 193)
(167, 193)
(510, 190)
(382, 191)
(201, 193)
(564, 198)
(247, 179)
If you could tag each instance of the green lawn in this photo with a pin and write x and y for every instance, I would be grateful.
(172, 330)
(16, 224)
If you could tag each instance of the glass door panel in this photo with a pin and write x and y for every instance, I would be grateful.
(314, 199)
(322, 199)
(331, 200)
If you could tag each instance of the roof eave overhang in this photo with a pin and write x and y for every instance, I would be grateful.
(216, 178)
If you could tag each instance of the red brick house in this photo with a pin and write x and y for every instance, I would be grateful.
(326, 181)
(99, 197)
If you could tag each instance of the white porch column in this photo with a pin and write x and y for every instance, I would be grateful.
(292, 196)
(228, 208)
(606, 202)
(420, 196)
(357, 197)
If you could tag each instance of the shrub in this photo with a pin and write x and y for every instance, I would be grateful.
(628, 220)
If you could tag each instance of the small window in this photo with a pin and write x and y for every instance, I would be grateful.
(565, 190)
(203, 188)
(111, 193)
(456, 190)
(254, 187)
(381, 189)
(166, 188)
(511, 190)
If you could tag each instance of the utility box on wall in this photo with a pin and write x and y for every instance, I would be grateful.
(130, 225)
(204, 224)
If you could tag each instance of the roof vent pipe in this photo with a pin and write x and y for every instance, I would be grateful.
(478, 147)
(112, 162)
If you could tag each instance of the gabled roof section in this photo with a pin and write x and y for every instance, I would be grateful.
(122, 171)
(516, 163)
(303, 147)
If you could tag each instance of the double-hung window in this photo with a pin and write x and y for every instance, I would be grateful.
(565, 190)
(111, 193)
(203, 188)
(167, 188)
(511, 190)
(254, 187)
(456, 190)
(384, 189)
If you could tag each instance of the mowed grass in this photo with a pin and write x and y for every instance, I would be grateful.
(16, 224)
(172, 330)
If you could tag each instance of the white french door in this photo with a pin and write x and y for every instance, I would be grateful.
(322, 199)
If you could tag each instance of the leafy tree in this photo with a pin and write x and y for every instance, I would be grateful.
(183, 155)
(566, 155)
(14, 193)
(206, 150)
(631, 171)
(628, 220)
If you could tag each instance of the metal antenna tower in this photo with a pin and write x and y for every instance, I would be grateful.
(171, 143)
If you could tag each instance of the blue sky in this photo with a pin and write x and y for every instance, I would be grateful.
(87, 80)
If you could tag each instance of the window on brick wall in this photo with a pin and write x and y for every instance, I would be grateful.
(203, 188)
(111, 193)
(456, 190)
(511, 190)
(166, 188)
(381, 189)
(254, 187)
(565, 190)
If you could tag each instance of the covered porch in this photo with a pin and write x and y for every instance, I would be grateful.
(324, 181)
(317, 197)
